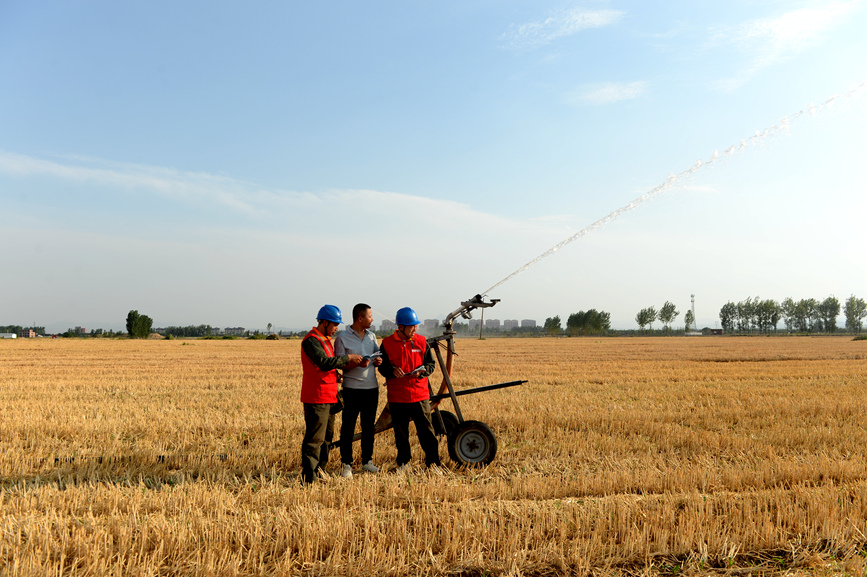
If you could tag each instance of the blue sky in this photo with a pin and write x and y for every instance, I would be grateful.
(235, 165)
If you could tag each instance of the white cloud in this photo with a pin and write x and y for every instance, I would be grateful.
(284, 237)
(558, 25)
(607, 92)
(271, 207)
(166, 182)
(769, 41)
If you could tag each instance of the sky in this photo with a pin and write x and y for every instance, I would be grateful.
(243, 164)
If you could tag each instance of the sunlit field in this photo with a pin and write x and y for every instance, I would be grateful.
(631, 456)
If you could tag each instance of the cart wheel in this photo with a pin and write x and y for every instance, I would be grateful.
(472, 443)
(450, 420)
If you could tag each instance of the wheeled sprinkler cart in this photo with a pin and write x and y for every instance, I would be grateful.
(469, 442)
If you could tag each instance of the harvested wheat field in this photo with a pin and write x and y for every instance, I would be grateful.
(670, 456)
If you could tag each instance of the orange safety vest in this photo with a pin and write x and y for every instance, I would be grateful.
(407, 355)
(318, 386)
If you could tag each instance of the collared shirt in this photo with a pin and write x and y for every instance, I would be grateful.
(347, 342)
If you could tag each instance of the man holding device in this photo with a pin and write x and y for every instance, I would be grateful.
(407, 362)
(360, 388)
(319, 390)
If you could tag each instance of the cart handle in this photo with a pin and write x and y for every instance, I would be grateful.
(479, 390)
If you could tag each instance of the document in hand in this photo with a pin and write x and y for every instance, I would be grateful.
(375, 355)
(418, 369)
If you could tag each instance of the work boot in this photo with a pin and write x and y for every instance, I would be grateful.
(346, 471)
(370, 467)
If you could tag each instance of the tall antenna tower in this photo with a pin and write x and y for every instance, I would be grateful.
(694, 320)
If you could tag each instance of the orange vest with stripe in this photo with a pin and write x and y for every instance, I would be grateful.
(318, 386)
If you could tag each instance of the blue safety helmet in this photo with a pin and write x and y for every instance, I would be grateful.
(406, 316)
(330, 313)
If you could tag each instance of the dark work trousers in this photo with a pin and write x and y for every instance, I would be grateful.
(317, 436)
(358, 402)
(418, 413)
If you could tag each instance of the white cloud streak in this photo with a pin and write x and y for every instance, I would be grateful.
(606, 92)
(769, 41)
(559, 25)
(170, 183)
(268, 206)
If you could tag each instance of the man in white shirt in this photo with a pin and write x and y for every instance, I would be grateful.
(360, 388)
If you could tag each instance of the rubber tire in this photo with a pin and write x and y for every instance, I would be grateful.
(450, 420)
(472, 443)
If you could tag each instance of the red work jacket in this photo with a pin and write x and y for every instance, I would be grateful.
(407, 355)
(318, 386)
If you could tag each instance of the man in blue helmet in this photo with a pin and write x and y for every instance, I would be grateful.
(407, 362)
(319, 389)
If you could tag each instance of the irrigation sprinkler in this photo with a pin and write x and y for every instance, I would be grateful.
(469, 442)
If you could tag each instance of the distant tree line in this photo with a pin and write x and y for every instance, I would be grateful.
(804, 316)
(18, 329)
(667, 314)
(590, 322)
(189, 331)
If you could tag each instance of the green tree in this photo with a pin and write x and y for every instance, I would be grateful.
(856, 310)
(765, 314)
(788, 311)
(746, 314)
(828, 310)
(810, 313)
(589, 322)
(131, 320)
(576, 323)
(601, 322)
(138, 326)
(552, 325)
(667, 314)
(728, 316)
(646, 317)
(688, 319)
(776, 312)
(805, 316)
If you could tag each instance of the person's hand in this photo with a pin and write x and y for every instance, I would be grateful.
(365, 362)
(355, 360)
(377, 361)
(398, 372)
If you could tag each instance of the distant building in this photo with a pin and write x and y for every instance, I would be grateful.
(80, 331)
(511, 324)
(528, 324)
(387, 326)
(28, 334)
(492, 324)
(8, 336)
(474, 324)
(431, 324)
(236, 331)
